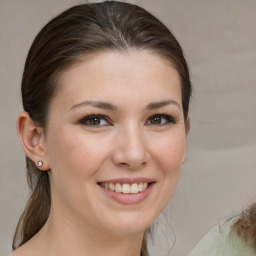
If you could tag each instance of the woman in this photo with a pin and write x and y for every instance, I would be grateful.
(234, 237)
(106, 93)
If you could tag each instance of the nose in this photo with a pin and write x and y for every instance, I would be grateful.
(131, 150)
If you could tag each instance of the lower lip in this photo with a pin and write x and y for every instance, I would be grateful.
(129, 198)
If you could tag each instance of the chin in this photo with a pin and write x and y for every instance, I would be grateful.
(129, 223)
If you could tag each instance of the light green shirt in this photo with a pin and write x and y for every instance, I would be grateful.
(221, 241)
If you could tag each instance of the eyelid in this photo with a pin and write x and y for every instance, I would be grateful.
(91, 116)
(170, 119)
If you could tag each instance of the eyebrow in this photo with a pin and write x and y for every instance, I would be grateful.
(96, 104)
(109, 106)
(160, 104)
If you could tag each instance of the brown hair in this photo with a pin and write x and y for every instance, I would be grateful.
(66, 39)
(245, 225)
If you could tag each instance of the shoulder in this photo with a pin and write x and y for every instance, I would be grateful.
(24, 250)
(221, 240)
(16, 253)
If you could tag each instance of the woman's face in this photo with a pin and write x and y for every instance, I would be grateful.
(115, 141)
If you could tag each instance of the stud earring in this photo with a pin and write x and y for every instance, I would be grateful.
(39, 164)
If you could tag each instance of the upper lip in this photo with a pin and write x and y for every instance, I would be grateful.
(129, 181)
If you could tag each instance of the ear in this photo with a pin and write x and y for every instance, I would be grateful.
(32, 140)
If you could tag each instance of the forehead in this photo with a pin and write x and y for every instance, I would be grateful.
(108, 75)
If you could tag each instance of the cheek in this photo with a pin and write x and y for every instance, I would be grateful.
(170, 152)
(74, 152)
(74, 159)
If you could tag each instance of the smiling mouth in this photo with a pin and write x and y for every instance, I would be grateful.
(134, 188)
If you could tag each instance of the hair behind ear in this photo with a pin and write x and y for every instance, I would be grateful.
(187, 125)
(37, 208)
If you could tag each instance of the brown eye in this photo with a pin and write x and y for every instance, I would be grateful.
(95, 120)
(160, 119)
(156, 120)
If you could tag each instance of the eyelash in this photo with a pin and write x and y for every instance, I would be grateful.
(169, 119)
(96, 117)
(92, 117)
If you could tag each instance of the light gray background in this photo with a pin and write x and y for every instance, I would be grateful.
(218, 178)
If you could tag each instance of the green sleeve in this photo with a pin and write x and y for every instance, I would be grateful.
(222, 241)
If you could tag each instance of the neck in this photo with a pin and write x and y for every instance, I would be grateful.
(59, 237)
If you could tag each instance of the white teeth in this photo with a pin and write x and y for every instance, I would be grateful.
(111, 186)
(134, 188)
(140, 187)
(118, 188)
(126, 188)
